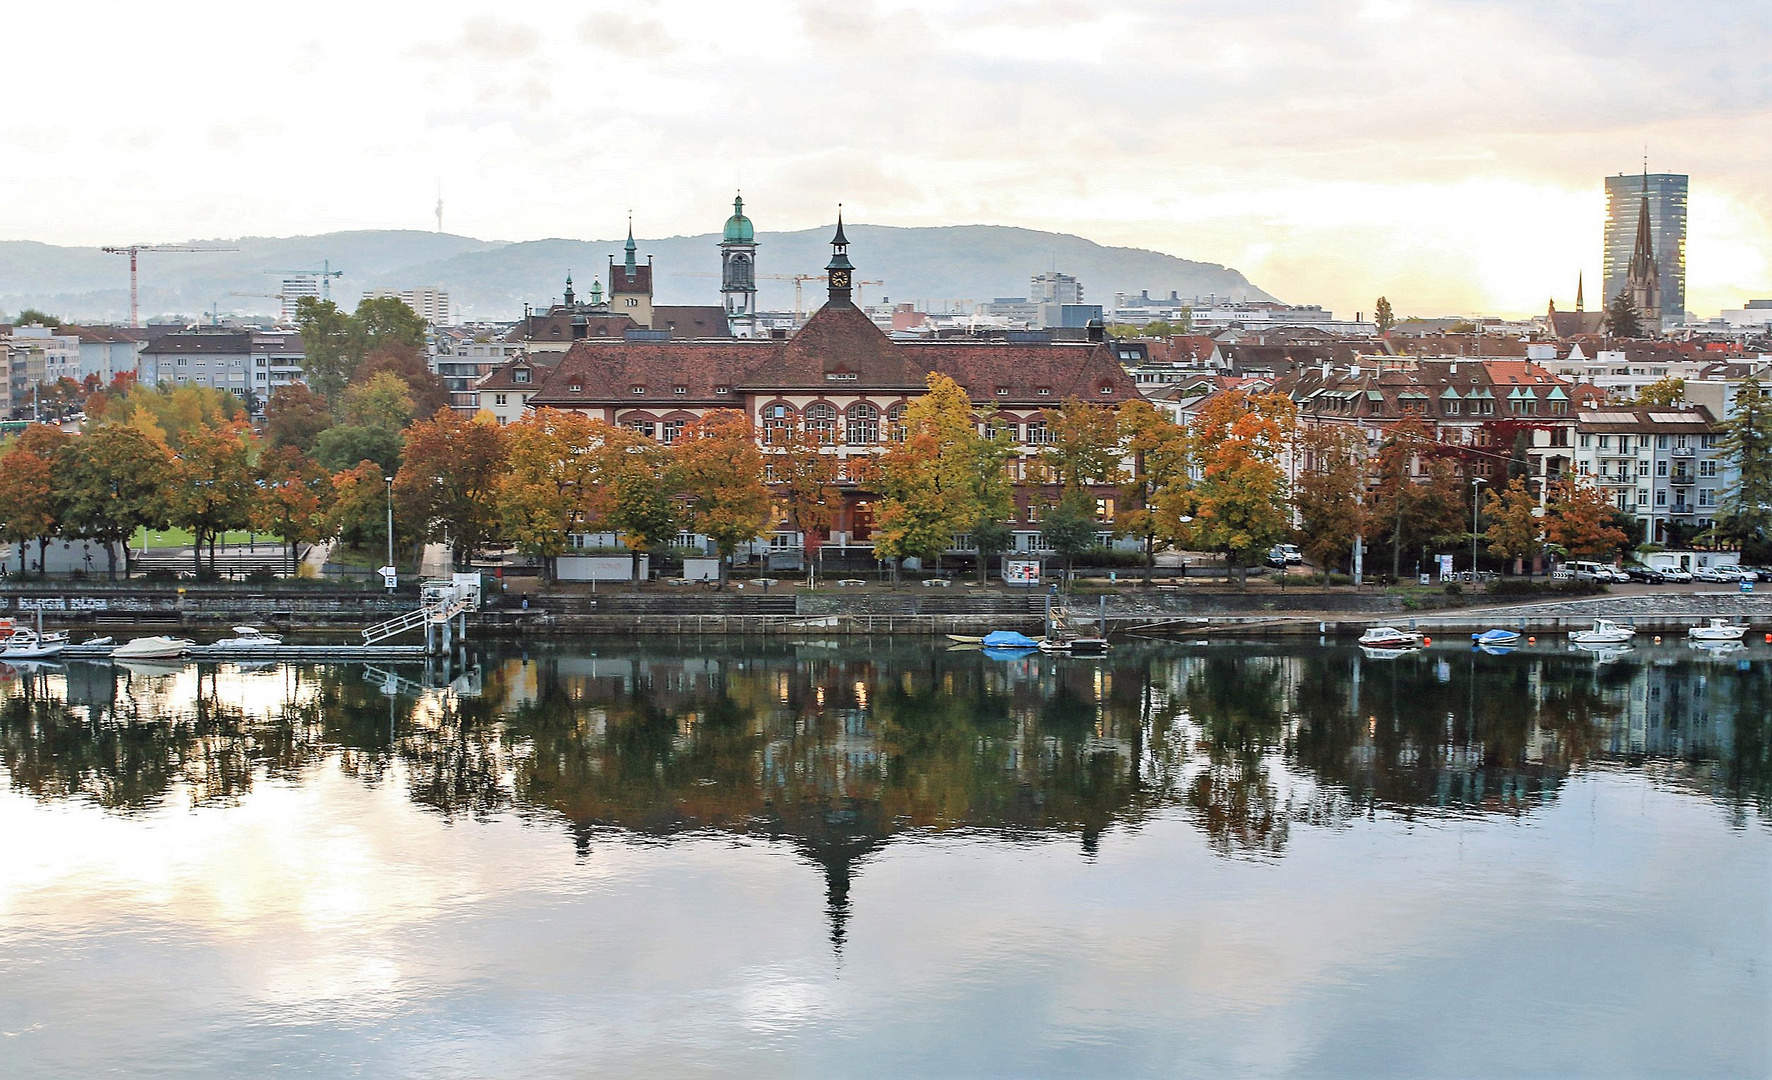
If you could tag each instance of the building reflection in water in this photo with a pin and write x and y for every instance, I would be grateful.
(836, 749)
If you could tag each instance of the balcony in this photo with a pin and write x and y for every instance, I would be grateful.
(1683, 451)
(1682, 479)
(1682, 508)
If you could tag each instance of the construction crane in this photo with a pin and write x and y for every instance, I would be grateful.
(279, 297)
(133, 250)
(325, 274)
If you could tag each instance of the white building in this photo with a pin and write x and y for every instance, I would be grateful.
(294, 289)
(1660, 465)
(430, 301)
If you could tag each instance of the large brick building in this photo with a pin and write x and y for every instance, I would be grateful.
(838, 373)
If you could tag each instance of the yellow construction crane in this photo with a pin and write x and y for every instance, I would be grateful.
(133, 250)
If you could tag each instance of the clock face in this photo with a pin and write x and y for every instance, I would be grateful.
(840, 279)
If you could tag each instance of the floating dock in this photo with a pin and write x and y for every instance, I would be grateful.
(315, 653)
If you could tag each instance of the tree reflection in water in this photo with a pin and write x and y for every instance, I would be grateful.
(837, 750)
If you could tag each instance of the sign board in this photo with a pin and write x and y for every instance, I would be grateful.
(1022, 572)
(1747, 586)
(1445, 567)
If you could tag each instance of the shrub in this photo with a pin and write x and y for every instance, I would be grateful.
(1453, 588)
(1529, 587)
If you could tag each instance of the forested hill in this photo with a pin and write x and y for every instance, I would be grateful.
(941, 267)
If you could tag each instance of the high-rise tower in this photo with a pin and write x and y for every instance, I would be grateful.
(1665, 194)
(738, 272)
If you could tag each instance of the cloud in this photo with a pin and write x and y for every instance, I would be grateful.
(626, 34)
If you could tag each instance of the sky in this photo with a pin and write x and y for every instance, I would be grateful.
(1448, 154)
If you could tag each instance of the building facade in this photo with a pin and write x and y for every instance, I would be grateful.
(430, 301)
(1661, 466)
(1665, 196)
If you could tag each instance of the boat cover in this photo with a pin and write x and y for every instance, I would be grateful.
(1009, 639)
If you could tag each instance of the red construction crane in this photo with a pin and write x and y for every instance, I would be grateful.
(132, 251)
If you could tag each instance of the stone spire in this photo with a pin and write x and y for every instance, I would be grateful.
(1643, 280)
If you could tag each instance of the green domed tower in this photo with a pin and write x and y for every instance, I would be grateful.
(738, 272)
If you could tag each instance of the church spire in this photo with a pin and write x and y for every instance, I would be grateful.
(1578, 301)
(838, 270)
(569, 296)
(628, 263)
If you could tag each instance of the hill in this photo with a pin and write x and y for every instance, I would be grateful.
(492, 279)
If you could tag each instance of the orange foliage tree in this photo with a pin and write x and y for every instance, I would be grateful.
(719, 474)
(1579, 519)
(449, 480)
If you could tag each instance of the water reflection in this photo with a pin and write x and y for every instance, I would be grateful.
(837, 749)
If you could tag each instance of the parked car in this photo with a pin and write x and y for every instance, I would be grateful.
(1738, 573)
(1593, 571)
(1676, 574)
(1646, 574)
(1283, 555)
(1710, 573)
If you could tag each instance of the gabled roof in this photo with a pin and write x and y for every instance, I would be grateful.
(691, 320)
(839, 341)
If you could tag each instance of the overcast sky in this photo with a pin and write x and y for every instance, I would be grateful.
(1447, 153)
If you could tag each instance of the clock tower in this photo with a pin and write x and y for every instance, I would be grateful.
(738, 272)
(839, 272)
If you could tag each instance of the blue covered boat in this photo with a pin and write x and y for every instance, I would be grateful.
(1008, 639)
(1496, 637)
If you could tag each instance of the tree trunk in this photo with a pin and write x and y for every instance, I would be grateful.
(197, 551)
(111, 561)
(1150, 559)
(42, 552)
(984, 564)
(634, 567)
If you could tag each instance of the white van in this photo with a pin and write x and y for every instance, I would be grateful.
(1593, 571)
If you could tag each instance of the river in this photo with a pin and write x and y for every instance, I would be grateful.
(701, 858)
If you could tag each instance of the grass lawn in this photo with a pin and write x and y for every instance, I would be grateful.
(173, 538)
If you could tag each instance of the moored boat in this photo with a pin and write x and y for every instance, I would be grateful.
(30, 644)
(1718, 629)
(152, 648)
(1604, 632)
(1389, 637)
(1496, 637)
(249, 637)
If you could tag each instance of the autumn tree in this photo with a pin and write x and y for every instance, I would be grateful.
(803, 474)
(449, 481)
(719, 473)
(1083, 447)
(170, 414)
(1412, 507)
(357, 512)
(293, 493)
(212, 487)
(636, 485)
(1158, 449)
(1579, 519)
(1664, 393)
(1240, 501)
(32, 500)
(550, 484)
(295, 416)
(115, 480)
(1746, 513)
(1515, 530)
(406, 363)
(1328, 491)
(928, 480)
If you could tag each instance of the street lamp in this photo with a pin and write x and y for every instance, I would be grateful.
(390, 482)
(1477, 483)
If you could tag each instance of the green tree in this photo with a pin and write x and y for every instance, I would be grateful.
(1158, 449)
(115, 478)
(342, 447)
(1622, 319)
(407, 363)
(719, 473)
(1383, 316)
(383, 401)
(327, 345)
(384, 323)
(1746, 513)
(637, 487)
(32, 317)
(1068, 527)
(1240, 501)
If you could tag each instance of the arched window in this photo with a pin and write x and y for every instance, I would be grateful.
(895, 423)
(864, 424)
(821, 420)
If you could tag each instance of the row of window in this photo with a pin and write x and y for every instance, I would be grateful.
(1662, 442)
(1706, 469)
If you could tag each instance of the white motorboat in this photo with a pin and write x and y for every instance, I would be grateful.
(1604, 632)
(249, 637)
(28, 644)
(152, 648)
(1389, 637)
(1717, 630)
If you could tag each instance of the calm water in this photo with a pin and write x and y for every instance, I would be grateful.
(831, 859)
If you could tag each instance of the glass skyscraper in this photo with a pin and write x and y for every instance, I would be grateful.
(1667, 219)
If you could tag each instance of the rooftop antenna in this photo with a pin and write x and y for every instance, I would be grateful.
(439, 205)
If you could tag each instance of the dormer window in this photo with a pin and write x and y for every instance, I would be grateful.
(576, 388)
(1107, 388)
(1002, 391)
(521, 375)
(1044, 391)
(636, 389)
(722, 389)
(679, 389)
(840, 376)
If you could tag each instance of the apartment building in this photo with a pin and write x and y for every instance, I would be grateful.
(1662, 466)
